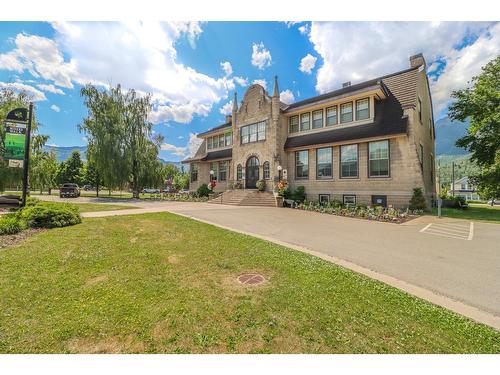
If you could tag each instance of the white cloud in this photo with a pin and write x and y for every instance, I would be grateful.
(386, 46)
(227, 68)
(50, 88)
(227, 108)
(241, 81)
(41, 57)
(261, 57)
(55, 108)
(176, 150)
(261, 82)
(139, 55)
(307, 63)
(194, 144)
(303, 29)
(36, 94)
(287, 97)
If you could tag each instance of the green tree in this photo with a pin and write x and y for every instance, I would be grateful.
(124, 148)
(71, 170)
(91, 174)
(481, 103)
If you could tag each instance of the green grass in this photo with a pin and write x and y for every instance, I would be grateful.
(474, 212)
(161, 283)
(93, 207)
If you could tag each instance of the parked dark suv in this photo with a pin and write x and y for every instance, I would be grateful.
(69, 190)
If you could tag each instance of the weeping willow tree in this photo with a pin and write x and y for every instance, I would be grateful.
(123, 148)
(10, 99)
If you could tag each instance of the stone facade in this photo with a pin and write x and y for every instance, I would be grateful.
(411, 153)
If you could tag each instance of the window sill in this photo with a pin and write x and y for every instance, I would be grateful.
(350, 178)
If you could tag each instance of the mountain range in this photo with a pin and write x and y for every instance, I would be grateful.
(64, 152)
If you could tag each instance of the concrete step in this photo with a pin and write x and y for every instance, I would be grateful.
(245, 197)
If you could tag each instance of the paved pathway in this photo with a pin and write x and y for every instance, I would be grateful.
(454, 263)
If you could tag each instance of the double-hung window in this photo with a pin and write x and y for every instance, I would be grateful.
(266, 171)
(239, 172)
(346, 112)
(305, 121)
(331, 116)
(349, 161)
(302, 164)
(324, 161)
(194, 172)
(317, 119)
(253, 133)
(214, 168)
(209, 143)
(294, 124)
(362, 109)
(229, 139)
(222, 170)
(378, 164)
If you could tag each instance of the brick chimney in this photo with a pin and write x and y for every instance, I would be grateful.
(229, 118)
(417, 60)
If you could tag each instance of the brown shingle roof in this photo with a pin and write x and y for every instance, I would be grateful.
(216, 128)
(402, 84)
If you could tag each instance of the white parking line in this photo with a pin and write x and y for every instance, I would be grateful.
(450, 230)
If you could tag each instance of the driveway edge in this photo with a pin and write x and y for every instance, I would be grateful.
(456, 306)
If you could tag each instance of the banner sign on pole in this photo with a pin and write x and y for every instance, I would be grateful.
(14, 143)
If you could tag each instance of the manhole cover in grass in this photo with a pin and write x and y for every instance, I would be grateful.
(251, 279)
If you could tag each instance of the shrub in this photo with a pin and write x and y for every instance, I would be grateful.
(50, 215)
(203, 190)
(10, 224)
(30, 201)
(261, 185)
(417, 201)
(299, 195)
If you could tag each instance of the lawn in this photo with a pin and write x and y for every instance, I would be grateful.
(474, 212)
(93, 207)
(161, 283)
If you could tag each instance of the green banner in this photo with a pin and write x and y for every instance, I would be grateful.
(14, 143)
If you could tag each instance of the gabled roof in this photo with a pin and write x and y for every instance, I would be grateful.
(402, 84)
(388, 120)
(216, 129)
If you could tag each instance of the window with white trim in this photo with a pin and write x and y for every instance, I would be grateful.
(301, 164)
(349, 161)
(362, 109)
(317, 122)
(305, 121)
(253, 132)
(378, 159)
(193, 168)
(324, 163)
(346, 112)
(331, 116)
(324, 198)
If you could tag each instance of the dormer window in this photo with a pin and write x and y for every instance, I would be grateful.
(305, 121)
(362, 109)
(331, 116)
(346, 112)
(294, 124)
(317, 119)
(219, 141)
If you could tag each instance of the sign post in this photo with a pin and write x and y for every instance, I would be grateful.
(17, 142)
(27, 155)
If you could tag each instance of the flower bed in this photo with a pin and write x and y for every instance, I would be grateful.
(191, 197)
(391, 215)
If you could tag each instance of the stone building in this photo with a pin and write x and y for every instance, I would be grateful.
(368, 143)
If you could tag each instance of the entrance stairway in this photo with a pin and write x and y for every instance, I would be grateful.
(245, 197)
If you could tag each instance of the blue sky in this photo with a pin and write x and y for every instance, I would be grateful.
(192, 69)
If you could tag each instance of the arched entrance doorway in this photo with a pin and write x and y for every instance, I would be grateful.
(252, 172)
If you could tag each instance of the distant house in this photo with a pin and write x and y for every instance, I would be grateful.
(463, 188)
